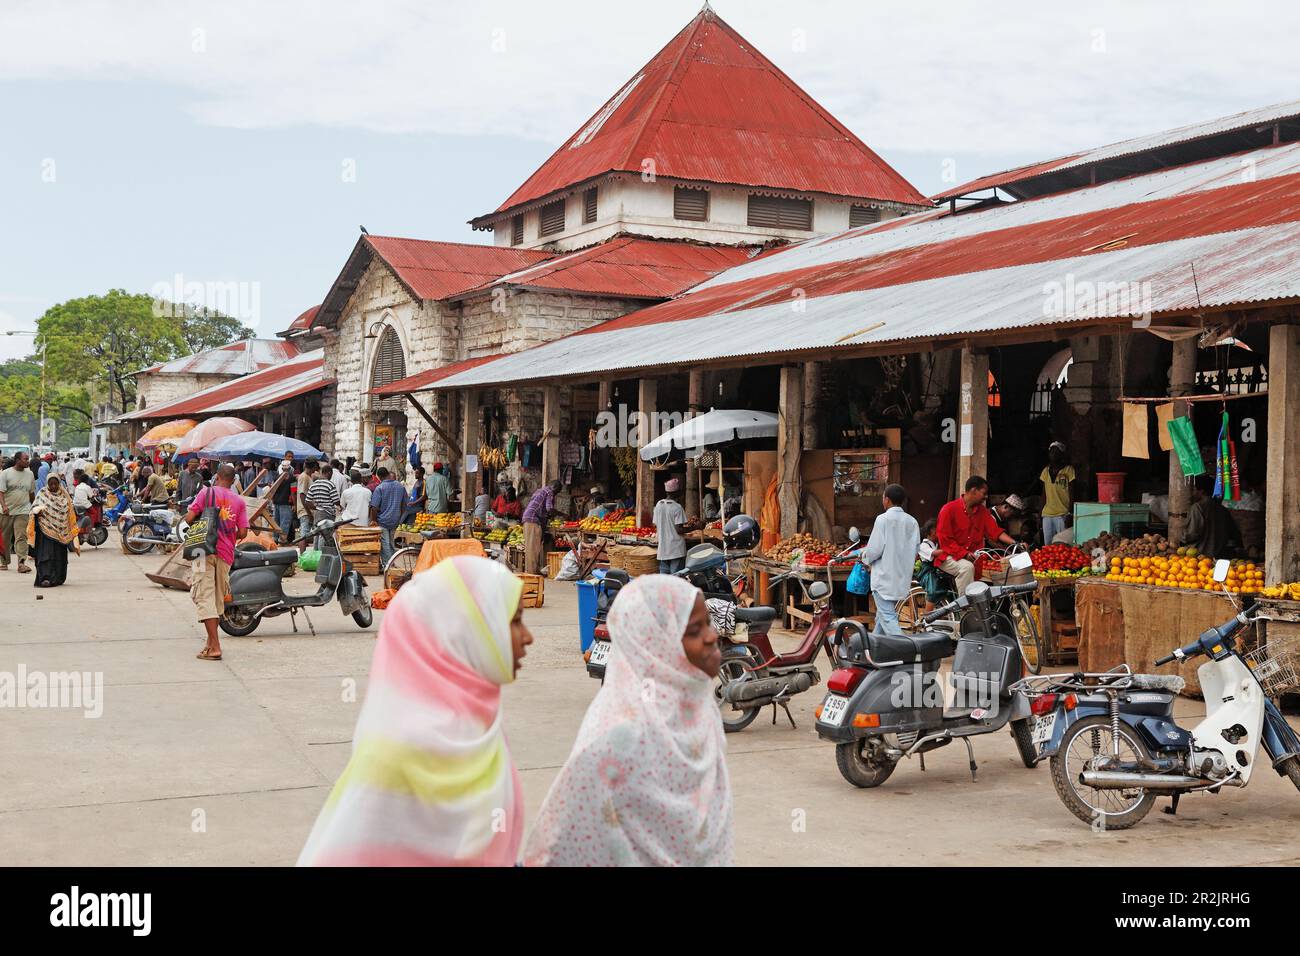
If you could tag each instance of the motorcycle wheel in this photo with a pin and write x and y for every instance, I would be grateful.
(1291, 768)
(1024, 738)
(239, 621)
(861, 768)
(733, 667)
(98, 535)
(364, 616)
(1104, 809)
(131, 536)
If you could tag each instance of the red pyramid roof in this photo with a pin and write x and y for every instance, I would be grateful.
(711, 107)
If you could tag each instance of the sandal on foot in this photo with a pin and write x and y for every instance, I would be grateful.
(203, 655)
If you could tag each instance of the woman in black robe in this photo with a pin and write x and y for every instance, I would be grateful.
(53, 532)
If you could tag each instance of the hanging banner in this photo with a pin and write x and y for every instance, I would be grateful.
(1135, 432)
(1164, 415)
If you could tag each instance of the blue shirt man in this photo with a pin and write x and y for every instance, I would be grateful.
(387, 502)
(42, 473)
(891, 556)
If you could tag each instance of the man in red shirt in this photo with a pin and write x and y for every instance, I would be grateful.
(964, 525)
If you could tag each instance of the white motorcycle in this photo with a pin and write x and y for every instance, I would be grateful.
(1115, 748)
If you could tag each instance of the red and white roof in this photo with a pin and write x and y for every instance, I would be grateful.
(1216, 233)
(237, 358)
(297, 376)
(709, 107)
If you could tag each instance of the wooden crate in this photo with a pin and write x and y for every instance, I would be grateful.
(367, 564)
(553, 560)
(534, 590)
(356, 542)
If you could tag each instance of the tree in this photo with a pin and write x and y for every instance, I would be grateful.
(21, 401)
(204, 329)
(104, 340)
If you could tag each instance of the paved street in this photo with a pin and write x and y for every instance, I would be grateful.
(227, 763)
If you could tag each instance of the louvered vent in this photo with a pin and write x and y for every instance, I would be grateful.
(863, 216)
(690, 204)
(589, 205)
(390, 365)
(553, 218)
(773, 212)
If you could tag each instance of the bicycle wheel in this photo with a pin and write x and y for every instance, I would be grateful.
(1026, 628)
(911, 609)
(400, 567)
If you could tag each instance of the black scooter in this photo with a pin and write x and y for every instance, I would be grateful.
(885, 700)
(257, 584)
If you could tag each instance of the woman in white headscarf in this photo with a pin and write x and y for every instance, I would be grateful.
(646, 783)
(431, 781)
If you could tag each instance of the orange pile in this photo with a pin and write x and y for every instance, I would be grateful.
(1189, 571)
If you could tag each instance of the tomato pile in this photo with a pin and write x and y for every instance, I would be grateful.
(816, 559)
(1060, 557)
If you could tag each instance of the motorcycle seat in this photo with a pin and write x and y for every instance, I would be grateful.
(909, 649)
(1170, 682)
(755, 615)
(262, 559)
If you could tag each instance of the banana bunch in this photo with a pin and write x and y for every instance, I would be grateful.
(1290, 592)
(493, 458)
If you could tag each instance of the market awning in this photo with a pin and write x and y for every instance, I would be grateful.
(300, 375)
(424, 381)
(1174, 242)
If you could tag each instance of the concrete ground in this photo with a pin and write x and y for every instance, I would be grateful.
(228, 763)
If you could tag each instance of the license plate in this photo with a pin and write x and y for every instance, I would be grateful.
(599, 653)
(1041, 732)
(834, 709)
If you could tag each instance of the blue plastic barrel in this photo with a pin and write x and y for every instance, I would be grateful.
(587, 591)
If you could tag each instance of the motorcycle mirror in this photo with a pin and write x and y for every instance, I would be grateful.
(1021, 561)
(855, 535)
(1221, 568)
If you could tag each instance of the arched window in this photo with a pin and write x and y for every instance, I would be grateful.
(388, 367)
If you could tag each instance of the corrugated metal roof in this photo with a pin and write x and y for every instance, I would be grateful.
(935, 276)
(1249, 120)
(421, 381)
(304, 321)
(439, 270)
(631, 267)
(304, 373)
(237, 358)
(709, 106)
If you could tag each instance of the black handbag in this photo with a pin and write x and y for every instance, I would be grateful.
(201, 536)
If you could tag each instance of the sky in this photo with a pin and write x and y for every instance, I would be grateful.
(238, 146)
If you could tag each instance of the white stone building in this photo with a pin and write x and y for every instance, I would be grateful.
(706, 156)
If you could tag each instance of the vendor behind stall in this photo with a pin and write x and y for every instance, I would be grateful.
(1210, 528)
(670, 526)
(1011, 508)
(1058, 484)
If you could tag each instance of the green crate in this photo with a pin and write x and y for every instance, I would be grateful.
(1092, 518)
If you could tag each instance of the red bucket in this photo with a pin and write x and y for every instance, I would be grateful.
(1110, 487)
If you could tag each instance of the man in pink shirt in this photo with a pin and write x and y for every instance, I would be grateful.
(210, 583)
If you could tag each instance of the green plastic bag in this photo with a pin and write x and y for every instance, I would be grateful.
(310, 560)
(1183, 435)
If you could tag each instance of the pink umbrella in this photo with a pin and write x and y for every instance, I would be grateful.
(205, 433)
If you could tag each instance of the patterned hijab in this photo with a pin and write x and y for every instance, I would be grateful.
(646, 782)
(431, 781)
(57, 517)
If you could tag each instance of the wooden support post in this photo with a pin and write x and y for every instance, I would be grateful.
(1282, 517)
(442, 432)
(695, 394)
(550, 433)
(973, 417)
(1182, 380)
(812, 387)
(469, 483)
(647, 414)
(789, 445)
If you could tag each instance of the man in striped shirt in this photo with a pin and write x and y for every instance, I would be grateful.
(322, 497)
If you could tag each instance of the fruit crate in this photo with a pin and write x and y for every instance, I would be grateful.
(366, 564)
(358, 541)
(553, 561)
(534, 594)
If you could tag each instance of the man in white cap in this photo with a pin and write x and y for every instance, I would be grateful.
(1013, 506)
(670, 524)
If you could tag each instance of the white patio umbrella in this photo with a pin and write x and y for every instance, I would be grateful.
(714, 427)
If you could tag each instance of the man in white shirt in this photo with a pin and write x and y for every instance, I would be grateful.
(670, 522)
(891, 556)
(339, 477)
(356, 501)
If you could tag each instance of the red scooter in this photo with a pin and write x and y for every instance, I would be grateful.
(753, 675)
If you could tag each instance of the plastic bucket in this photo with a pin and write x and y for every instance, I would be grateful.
(586, 612)
(1110, 487)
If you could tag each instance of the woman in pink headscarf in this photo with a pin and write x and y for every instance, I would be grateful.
(646, 783)
(431, 781)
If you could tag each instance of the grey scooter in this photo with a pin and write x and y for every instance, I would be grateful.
(257, 584)
(885, 701)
